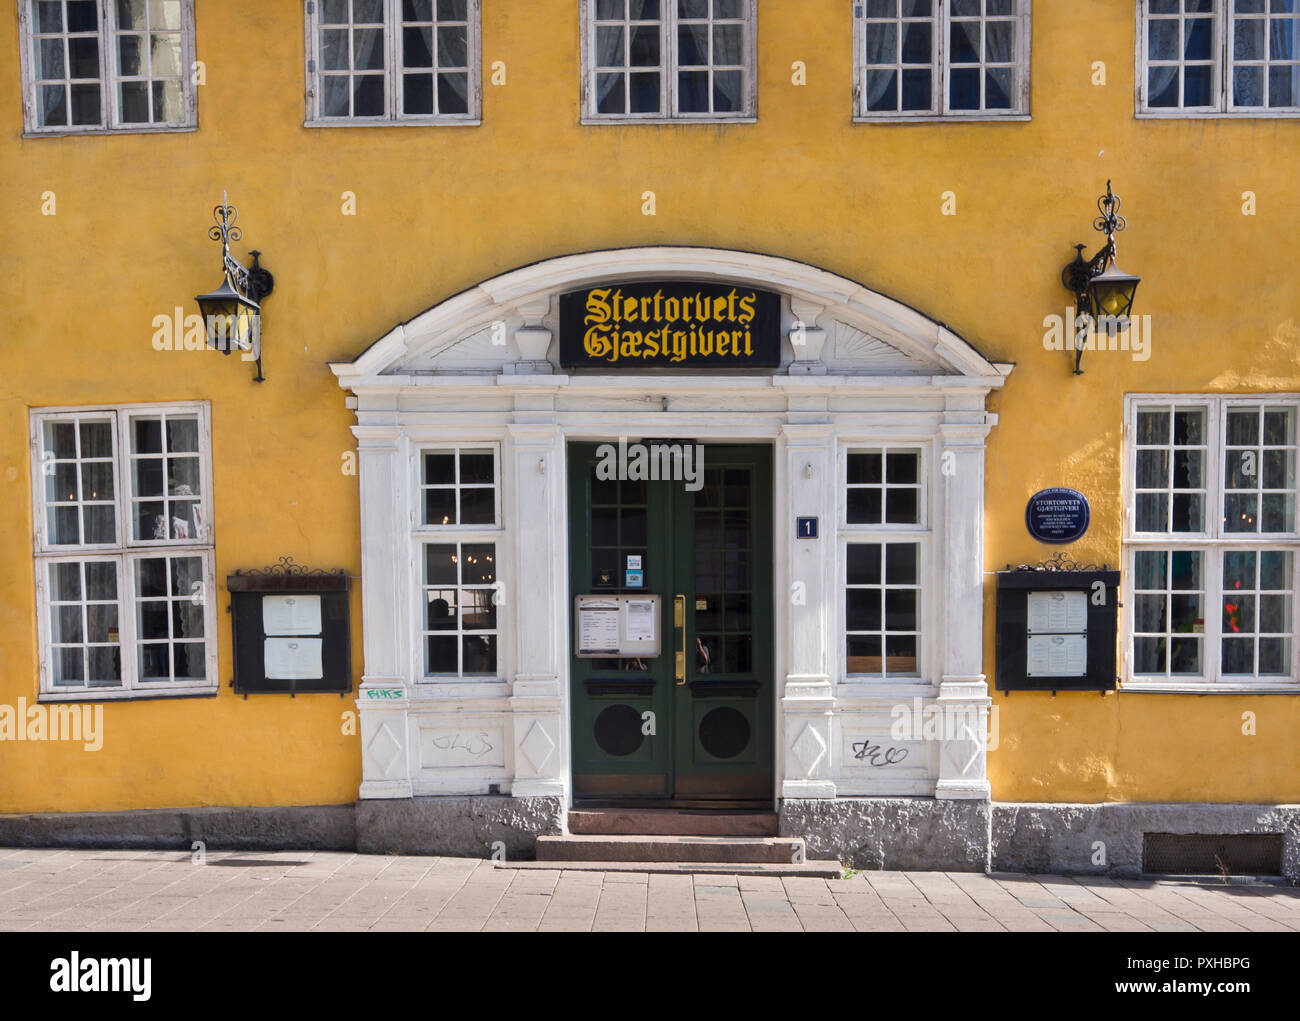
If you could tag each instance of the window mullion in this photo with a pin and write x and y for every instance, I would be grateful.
(392, 54)
(939, 101)
(108, 106)
(668, 49)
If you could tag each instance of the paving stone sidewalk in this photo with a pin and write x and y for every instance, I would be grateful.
(164, 891)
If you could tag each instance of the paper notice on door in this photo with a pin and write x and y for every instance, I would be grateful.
(598, 626)
(1057, 656)
(291, 615)
(640, 620)
(293, 659)
(1058, 612)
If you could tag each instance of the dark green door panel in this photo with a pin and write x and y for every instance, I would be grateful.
(637, 732)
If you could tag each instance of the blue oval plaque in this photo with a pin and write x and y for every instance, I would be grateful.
(1057, 515)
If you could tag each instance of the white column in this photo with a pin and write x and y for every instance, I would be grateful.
(805, 487)
(383, 695)
(538, 585)
(963, 693)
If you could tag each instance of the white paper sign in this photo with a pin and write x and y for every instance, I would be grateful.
(640, 620)
(291, 615)
(1057, 656)
(1058, 612)
(293, 659)
(598, 625)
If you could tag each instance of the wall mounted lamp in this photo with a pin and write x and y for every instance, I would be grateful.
(233, 312)
(1103, 293)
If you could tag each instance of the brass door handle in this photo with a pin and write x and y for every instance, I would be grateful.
(679, 622)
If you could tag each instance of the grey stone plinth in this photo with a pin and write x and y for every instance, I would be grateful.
(1068, 837)
(294, 827)
(458, 826)
(892, 833)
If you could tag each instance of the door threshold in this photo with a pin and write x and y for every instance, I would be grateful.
(671, 805)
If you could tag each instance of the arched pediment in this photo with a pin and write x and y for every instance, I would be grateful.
(510, 323)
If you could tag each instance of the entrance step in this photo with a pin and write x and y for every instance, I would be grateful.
(662, 848)
(814, 869)
(672, 823)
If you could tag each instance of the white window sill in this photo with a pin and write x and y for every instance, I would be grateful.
(1263, 113)
(945, 118)
(404, 122)
(633, 121)
(135, 695)
(1243, 687)
(153, 129)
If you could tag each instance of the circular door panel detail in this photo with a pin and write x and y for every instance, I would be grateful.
(618, 730)
(724, 732)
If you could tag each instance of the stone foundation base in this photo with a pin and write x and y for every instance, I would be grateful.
(1107, 838)
(294, 827)
(892, 833)
(464, 827)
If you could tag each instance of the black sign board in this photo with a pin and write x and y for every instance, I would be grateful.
(670, 325)
(1057, 515)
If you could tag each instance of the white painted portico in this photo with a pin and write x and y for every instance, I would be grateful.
(857, 369)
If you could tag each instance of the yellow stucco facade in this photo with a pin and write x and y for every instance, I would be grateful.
(438, 209)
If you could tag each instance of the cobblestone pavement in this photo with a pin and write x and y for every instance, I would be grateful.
(152, 891)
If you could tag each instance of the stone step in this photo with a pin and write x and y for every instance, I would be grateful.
(814, 869)
(661, 848)
(672, 823)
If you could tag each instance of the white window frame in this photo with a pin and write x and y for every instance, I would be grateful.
(422, 535)
(1221, 85)
(123, 552)
(110, 122)
(921, 533)
(393, 74)
(940, 109)
(668, 69)
(1213, 542)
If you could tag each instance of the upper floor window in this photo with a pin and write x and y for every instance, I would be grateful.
(124, 572)
(107, 65)
(385, 61)
(918, 59)
(656, 60)
(1219, 57)
(1211, 541)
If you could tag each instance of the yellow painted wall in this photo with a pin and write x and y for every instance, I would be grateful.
(439, 209)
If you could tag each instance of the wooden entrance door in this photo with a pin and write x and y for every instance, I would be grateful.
(693, 724)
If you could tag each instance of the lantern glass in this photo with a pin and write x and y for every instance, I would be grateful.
(1113, 291)
(231, 319)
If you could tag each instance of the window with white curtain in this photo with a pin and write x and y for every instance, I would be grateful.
(656, 60)
(922, 59)
(386, 61)
(1218, 57)
(107, 65)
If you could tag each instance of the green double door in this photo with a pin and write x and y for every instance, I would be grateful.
(693, 724)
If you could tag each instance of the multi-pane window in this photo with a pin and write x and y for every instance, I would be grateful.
(1219, 57)
(458, 492)
(669, 59)
(124, 551)
(882, 607)
(884, 487)
(380, 61)
(101, 65)
(929, 58)
(460, 619)
(1211, 539)
(458, 486)
(885, 536)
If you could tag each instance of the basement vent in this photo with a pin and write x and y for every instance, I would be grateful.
(1199, 854)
